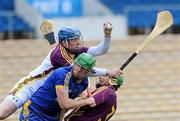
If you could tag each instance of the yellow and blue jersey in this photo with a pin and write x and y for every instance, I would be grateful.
(43, 105)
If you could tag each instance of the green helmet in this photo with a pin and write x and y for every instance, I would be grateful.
(119, 81)
(86, 60)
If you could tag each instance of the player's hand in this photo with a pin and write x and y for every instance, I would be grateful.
(108, 29)
(89, 92)
(114, 72)
(90, 101)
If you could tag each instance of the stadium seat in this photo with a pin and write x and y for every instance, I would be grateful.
(7, 5)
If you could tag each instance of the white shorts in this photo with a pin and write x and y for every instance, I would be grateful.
(25, 88)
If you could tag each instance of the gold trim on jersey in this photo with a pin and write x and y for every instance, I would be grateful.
(59, 86)
(25, 109)
(67, 79)
(66, 56)
(111, 113)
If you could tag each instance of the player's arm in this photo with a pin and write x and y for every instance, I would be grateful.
(104, 72)
(103, 47)
(66, 103)
(47, 29)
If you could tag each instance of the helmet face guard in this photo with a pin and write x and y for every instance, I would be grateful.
(117, 81)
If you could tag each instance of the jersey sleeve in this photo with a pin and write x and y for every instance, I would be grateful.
(63, 79)
(59, 81)
(101, 48)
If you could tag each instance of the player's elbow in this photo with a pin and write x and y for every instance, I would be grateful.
(104, 51)
(65, 105)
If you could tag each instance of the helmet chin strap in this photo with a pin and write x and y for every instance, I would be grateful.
(67, 43)
(110, 82)
(67, 46)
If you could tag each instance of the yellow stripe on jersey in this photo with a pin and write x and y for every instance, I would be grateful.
(24, 83)
(68, 58)
(59, 86)
(99, 119)
(111, 113)
(66, 81)
(25, 108)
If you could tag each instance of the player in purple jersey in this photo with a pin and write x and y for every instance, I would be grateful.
(68, 48)
(105, 99)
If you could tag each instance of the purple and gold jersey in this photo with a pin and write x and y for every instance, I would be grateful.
(43, 105)
(106, 105)
(60, 57)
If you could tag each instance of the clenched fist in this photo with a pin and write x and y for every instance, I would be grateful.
(108, 29)
(114, 72)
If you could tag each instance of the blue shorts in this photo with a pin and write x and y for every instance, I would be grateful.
(31, 112)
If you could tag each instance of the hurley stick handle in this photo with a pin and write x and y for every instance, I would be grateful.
(128, 60)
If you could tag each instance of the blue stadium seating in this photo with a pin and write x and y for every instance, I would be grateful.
(7, 5)
(18, 23)
(139, 17)
(148, 18)
(117, 6)
(3, 23)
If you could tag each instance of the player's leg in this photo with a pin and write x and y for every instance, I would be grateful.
(11, 102)
(7, 107)
(19, 95)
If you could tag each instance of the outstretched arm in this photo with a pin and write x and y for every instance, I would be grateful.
(103, 47)
(66, 103)
(104, 72)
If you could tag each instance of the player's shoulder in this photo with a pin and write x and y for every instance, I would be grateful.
(84, 49)
(110, 91)
(63, 70)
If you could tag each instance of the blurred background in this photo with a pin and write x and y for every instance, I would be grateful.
(151, 89)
